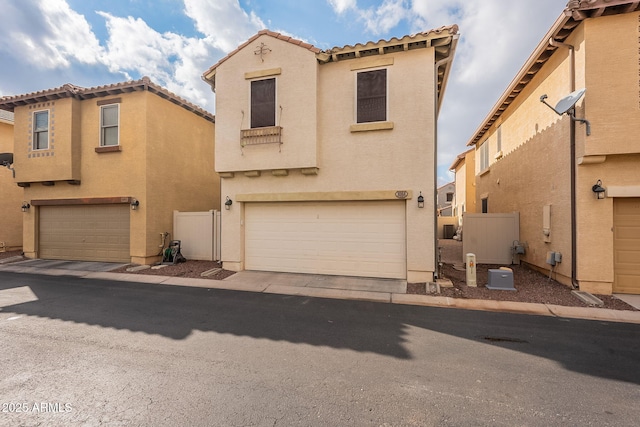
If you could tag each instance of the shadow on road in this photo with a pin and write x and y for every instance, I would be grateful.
(589, 347)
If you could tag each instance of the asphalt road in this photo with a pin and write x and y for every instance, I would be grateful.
(87, 352)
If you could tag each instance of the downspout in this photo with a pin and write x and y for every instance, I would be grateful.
(572, 143)
(436, 111)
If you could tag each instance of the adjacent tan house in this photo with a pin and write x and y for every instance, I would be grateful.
(445, 199)
(103, 168)
(464, 167)
(327, 158)
(10, 194)
(573, 174)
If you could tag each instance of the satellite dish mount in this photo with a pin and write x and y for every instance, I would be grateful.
(566, 106)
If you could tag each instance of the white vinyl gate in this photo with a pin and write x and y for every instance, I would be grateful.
(199, 234)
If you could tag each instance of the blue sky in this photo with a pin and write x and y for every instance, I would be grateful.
(47, 43)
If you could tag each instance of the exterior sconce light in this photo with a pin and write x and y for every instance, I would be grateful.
(228, 203)
(134, 204)
(420, 201)
(25, 206)
(598, 190)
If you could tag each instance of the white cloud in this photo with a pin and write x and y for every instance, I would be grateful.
(223, 22)
(341, 6)
(385, 17)
(47, 32)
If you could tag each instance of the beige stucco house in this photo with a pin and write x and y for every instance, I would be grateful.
(10, 194)
(464, 167)
(327, 158)
(552, 168)
(103, 168)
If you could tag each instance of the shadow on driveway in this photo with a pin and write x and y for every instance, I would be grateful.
(593, 348)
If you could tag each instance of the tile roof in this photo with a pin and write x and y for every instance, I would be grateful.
(575, 12)
(71, 91)
(459, 158)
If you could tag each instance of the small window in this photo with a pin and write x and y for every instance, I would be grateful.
(109, 125)
(484, 156)
(263, 103)
(41, 130)
(372, 96)
(485, 205)
(449, 197)
(499, 136)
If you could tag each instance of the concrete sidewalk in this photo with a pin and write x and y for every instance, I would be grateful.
(362, 289)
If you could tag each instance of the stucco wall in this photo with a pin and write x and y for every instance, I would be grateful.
(11, 196)
(398, 159)
(296, 107)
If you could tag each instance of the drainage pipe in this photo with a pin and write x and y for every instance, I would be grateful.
(572, 143)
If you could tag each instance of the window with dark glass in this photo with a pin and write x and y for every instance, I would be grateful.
(449, 197)
(41, 130)
(372, 96)
(485, 205)
(263, 103)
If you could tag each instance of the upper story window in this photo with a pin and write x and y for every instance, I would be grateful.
(109, 121)
(372, 96)
(41, 130)
(449, 197)
(484, 156)
(263, 103)
(499, 139)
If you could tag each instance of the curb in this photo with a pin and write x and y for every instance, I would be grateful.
(584, 313)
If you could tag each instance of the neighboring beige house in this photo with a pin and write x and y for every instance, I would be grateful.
(445, 199)
(10, 194)
(103, 168)
(325, 155)
(464, 167)
(527, 154)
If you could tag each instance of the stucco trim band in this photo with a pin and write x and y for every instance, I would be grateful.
(328, 196)
(372, 63)
(623, 191)
(84, 201)
(262, 73)
(365, 127)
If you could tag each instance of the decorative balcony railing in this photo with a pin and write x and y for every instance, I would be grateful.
(265, 135)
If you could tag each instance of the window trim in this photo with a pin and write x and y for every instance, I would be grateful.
(102, 127)
(386, 103)
(484, 155)
(275, 101)
(34, 133)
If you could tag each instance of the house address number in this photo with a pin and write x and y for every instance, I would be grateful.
(402, 194)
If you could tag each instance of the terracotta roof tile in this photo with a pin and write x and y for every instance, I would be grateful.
(71, 91)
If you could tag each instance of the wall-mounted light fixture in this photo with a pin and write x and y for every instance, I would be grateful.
(420, 201)
(228, 203)
(25, 206)
(135, 203)
(598, 189)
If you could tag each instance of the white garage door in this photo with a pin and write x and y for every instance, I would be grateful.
(85, 233)
(341, 238)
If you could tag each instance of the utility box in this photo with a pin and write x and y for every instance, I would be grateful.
(501, 280)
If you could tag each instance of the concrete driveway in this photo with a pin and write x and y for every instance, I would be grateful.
(69, 265)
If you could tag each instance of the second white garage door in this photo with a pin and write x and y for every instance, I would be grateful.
(341, 238)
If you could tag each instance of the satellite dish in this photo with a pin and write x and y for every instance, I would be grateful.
(566, 103)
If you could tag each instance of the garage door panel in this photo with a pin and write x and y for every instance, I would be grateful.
(341, 238)
(626, 219)
(85, 233)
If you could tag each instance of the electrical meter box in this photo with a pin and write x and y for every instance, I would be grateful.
(501, 280)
